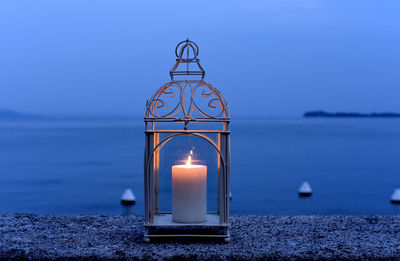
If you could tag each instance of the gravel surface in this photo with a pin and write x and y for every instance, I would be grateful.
(253, 237)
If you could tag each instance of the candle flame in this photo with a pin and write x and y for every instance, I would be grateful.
(188, 162)
(191, 152)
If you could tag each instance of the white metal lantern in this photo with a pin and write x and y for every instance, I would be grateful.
(187, 155)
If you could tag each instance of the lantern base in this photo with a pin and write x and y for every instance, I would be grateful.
(163, 227)
(166, 220)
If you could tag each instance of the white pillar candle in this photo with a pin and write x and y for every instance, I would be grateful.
(189, 193)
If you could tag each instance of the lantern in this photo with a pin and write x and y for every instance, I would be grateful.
(187, 154)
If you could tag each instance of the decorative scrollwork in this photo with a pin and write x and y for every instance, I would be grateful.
(216, 106)
(187, 100)
(159, 105)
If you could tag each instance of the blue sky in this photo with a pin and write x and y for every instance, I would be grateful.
(267, 57)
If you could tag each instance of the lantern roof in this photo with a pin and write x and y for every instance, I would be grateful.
(187, 100)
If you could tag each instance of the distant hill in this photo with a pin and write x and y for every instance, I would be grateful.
(8, 114)
(324, 114)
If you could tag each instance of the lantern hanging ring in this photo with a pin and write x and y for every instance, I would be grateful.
(187, 42)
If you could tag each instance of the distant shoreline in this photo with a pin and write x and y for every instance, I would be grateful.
(323, 114)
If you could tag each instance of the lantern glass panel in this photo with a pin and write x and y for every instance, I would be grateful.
(176, 152)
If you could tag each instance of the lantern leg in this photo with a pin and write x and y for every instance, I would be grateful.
(146, 238)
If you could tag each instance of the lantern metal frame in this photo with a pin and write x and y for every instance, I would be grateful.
(186, 111)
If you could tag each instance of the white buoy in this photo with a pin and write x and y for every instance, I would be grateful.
(395, 199)
(230, 195)
(128, 198)
(305, 189)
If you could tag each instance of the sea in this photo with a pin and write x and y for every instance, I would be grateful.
(83, 165)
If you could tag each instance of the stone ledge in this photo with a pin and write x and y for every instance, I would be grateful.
(253, 237)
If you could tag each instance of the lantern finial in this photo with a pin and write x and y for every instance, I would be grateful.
(191, 50)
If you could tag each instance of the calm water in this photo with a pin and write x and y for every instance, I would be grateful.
(83, 166)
